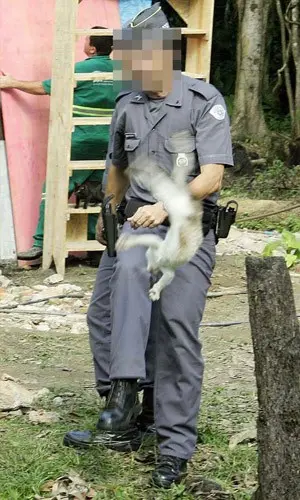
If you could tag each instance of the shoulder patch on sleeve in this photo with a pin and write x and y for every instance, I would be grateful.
(207, 90)
(218, 112)
(122, 94)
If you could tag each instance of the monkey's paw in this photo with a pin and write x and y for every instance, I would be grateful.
(154, 293)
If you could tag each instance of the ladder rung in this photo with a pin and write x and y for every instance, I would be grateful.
(92, 120)
(95, 32)
(193, 32)
(87, 165)
(194, 75)
(109, 32)
(84, 246)
(81, 210)
(109, 76)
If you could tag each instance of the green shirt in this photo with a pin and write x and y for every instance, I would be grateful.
(97, 98)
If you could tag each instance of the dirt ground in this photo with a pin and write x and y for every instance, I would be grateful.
(58, 358)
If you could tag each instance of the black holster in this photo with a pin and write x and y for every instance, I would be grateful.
(225, 218)
(110, 226)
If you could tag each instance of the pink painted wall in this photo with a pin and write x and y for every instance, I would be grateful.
(26, 35)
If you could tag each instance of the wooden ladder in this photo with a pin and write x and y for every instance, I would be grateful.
(66, 227)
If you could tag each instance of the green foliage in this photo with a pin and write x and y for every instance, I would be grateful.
(229, 99)
(276, 181)
(277, 122)
(289, 244)
(290, 223)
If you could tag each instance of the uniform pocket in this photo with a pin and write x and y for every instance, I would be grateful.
(182, 150)
(131, 144)
(181, 144)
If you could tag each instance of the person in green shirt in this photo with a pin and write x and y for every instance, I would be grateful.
(89, 142)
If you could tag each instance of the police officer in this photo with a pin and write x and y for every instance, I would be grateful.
(145, 124)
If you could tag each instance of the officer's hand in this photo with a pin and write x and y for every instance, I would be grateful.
(99, 231)
(148, 216)
(6, 81)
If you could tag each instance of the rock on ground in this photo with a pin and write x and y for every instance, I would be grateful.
(53, 279)
(43, 417)
(14, 395)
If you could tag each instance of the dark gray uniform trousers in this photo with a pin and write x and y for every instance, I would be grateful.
(99, 323)
(178, 361)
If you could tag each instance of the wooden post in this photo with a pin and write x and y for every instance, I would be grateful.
(60, 131)
(276, 342)
(201, 14)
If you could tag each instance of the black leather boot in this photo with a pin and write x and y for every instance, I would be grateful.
(141, 427)
(123, 441)
(168, 471)
(145, 420)
(120, 407)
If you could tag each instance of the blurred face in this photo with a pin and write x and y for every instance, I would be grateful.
(149, 68)
(153, 67)
(144, 58)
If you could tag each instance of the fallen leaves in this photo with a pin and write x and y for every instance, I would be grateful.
(246, 436)
(68, 487)
(206, 489)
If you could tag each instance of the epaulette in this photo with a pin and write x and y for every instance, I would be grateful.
(207, 90)
(122, 94)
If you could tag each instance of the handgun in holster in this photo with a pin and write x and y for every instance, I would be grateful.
(225, 218)
(110, 226)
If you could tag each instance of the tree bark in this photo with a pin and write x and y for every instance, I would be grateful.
(286, 50)
(295, 35)
(276, 342)
(248, 117)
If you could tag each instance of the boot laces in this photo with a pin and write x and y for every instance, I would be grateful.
(169, 463)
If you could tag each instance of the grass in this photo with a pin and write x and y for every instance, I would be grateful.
(33, 454)
(281, 222)
(274, 182)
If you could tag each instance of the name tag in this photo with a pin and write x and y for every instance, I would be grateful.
(130, 136)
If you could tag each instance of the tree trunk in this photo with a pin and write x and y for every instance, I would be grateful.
(285, 69)
(248, 117)
(295, 34)
(276, 341)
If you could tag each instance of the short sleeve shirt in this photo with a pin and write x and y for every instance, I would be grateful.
(98, 95)
(196, 108)
(91, 98)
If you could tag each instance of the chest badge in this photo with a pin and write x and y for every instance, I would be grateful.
(182, 160)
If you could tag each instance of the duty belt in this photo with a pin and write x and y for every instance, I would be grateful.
(209, 218)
